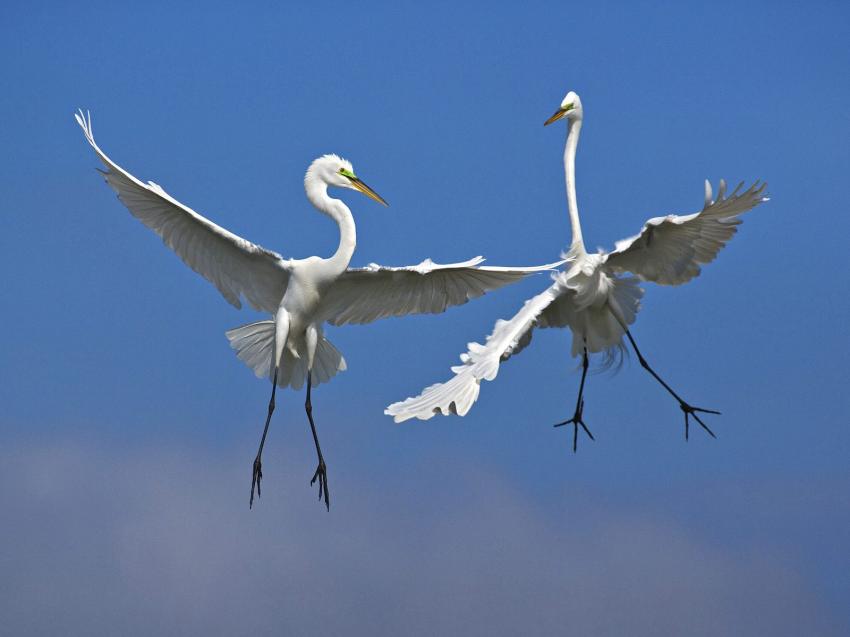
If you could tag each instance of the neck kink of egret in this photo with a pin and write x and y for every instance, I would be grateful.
(301, 295)
(592, 296)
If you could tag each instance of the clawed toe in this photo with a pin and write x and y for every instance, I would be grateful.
(321, 475)
(577, 421)
(255, 480)
(692, 411)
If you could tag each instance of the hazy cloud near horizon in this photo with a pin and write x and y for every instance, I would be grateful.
(160, 541)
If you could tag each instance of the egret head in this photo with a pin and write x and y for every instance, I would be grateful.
(570, 108)
(333, 170)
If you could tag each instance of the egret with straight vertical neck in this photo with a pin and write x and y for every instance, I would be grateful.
(591, 296)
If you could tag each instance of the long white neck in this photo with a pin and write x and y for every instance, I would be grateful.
(317, 193)
(573, 131)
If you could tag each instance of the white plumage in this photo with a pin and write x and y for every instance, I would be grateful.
(591, 296)
(254, 345)
(363, 295)
(301, 294)
(669, 250)
(233, 265)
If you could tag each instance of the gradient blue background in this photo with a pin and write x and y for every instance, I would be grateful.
(129, 427)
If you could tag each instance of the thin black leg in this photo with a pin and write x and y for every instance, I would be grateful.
(685, 407)
(577, 420)
(258, 464)
(321, 471)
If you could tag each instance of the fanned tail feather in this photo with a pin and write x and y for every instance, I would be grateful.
(254, 345)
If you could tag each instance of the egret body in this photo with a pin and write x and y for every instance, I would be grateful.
(596, 295)
(301, 294)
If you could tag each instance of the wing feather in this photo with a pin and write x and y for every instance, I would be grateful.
(669, 250)
(363, 295)
(238, 268)
(479, 362)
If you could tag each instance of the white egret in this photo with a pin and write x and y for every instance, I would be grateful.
(301, 294)
(591, 296)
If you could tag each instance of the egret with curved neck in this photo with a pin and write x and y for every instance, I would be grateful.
(323, 172)
(298, 326)
(301, 295)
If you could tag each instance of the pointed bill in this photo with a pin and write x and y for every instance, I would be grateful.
(559, 114)
(366, 190)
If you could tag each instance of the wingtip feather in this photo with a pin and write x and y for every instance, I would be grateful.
(84, 121)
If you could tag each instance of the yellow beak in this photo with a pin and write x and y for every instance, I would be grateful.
(366, 190)
(559, 114)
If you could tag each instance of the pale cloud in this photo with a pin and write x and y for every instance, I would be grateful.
(105, 541)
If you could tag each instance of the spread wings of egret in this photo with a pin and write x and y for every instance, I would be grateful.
(592, 295)
(300, 294)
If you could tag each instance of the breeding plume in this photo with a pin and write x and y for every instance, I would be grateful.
(301, 294)
(591, 295)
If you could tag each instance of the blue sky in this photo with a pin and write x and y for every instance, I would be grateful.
(128, 426)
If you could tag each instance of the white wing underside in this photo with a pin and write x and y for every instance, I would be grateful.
(363, 295)
(480, 362)
(669, 250)
(238, 268)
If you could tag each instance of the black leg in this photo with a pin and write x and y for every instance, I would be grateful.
(321, 471)
(258, 465)
(685, 407)
(576, 420)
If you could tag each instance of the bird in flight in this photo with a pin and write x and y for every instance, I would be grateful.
(300, 294)
(593, 295)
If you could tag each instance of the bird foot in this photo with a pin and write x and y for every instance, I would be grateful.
(322, 476)
(255, 480)
(692, 411)
(576, 421)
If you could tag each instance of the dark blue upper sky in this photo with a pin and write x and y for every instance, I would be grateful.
(118, 383)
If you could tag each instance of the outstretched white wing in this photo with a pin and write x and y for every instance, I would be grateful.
(363, 295)
(669, 250)
(480, 362)
(235, 266)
